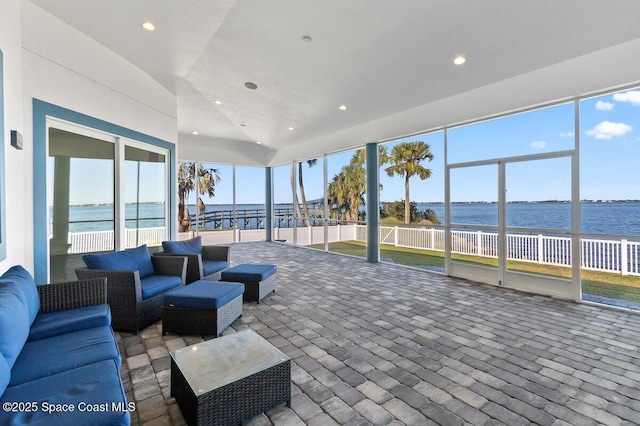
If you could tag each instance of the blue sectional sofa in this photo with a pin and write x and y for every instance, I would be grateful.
(60, 362)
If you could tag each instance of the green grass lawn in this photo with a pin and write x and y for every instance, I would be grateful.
(604, 284)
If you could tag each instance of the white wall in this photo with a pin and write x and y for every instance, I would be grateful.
(48, 60)
(17, 216)
(205, 149)
(62, 66)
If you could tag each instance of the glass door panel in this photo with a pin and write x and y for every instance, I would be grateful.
(81, 199)
(145, 195)
(610, 210)
(538, 217)
(474, 215)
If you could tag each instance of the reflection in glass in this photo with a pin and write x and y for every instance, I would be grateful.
(81, 196)
(145, 197)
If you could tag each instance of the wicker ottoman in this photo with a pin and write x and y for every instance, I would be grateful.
(203, 307)
(259, 279)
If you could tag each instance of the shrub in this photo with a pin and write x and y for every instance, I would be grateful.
(396, 210)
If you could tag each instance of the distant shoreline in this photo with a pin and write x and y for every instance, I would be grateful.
(524, 202)
(110, 204)
(388, 202)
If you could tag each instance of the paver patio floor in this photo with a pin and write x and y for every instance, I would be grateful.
(382, 344)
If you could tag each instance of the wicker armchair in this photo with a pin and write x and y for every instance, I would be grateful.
(203, 262)
(129, 310)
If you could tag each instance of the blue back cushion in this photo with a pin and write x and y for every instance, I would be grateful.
(23, 279)
(193, 245)
(14, 321)
(142, 258)
(127, 260)
(5, 374)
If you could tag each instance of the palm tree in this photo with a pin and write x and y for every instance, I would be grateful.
(207, 180)
(359, 158)
(346, 190)
(405, 161)
(303, 198)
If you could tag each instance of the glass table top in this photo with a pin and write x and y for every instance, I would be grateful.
(215, 363)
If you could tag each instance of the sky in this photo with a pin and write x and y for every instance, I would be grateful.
(610, 149)
(609, 152)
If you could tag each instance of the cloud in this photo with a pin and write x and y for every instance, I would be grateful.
(632, 97)
(555, 183)
(538, 144)
(604, 106)
(608, 130)
(567, 134)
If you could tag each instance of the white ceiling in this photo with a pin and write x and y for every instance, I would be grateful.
(379, 57)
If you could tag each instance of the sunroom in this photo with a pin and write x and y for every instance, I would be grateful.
(455, 142)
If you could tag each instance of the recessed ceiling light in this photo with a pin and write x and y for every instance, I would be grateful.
(342, 107)
(291, 128)
(307, 39)
(195, 132)
(148, 26)
(259, 143)
(217, 102)
(250, 85)
(459, 60)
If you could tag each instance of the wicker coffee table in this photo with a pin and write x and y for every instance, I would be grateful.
(229, 379)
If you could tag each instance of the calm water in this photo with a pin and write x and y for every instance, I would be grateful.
(597, 218)
(100, 218)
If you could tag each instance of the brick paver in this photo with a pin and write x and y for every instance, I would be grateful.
(384, 344)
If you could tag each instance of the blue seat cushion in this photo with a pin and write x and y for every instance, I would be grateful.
(14, 321)
(156, 284)
(54, 323)
(194, 245)
(93, 385)
(203, 295)
(134, 259)
(249, 272)
(24, 280)
(212, 266)
(44, 357)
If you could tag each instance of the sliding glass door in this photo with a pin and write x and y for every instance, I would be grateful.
(104, 193)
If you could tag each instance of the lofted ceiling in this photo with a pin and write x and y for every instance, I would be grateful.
(377, 57)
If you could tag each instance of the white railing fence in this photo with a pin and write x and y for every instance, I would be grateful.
(607, 255)
(84, 242)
